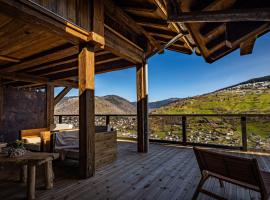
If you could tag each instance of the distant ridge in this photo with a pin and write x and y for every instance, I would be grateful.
(254, 80)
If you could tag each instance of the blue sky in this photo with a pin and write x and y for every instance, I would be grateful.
(177, 75)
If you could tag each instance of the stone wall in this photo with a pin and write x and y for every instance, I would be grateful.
(21, 109)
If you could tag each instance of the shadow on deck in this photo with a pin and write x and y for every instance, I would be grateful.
(166, 172)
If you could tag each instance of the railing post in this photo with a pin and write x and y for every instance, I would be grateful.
(244, 132)
(184, 130)
(60, 119)
(107, 120)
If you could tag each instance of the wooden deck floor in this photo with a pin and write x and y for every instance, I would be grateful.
(166, 172)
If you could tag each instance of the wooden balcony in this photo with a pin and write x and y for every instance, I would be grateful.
(166, 172)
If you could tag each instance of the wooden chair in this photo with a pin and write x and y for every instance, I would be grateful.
(236, 170)
(36, 139)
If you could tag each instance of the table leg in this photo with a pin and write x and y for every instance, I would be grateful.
(31, 182)
(23, 175)
(49, 175)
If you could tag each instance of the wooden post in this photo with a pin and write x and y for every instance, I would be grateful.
(23, 174)
(244, 132)
(142, 108)
(107, 120)
(184, 130)
(49, 175)
(31, 182)
(87, 112)
(60, 119)
(49, 105)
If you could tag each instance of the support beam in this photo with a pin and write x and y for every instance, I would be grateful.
(231, 15)
(35, 79)
(87, 112)
(9, 59)
(247, 46)
(61, 95)
(49, 105)
(142, 108)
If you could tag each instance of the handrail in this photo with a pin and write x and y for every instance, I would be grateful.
(178, 115)
(242, 117)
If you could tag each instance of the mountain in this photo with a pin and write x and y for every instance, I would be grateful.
(158, 104)
(111, 104)
(252, 96)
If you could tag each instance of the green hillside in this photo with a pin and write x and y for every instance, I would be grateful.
(221, 102)
(252, 98)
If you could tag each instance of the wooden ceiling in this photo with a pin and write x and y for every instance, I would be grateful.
(32, 54)
(217, 39)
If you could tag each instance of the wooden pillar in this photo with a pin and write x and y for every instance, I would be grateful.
(49, 105)
(184, 130)
(142, 108)
(107, 120)
(87, 112)
(244, 132)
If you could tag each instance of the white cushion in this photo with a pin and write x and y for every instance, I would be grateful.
(32, 140)
(58, 127)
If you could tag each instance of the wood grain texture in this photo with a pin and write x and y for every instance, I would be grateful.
(166, 172)
(87, 112)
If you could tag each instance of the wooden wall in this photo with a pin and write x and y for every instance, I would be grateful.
(20, 110)
(68, 9)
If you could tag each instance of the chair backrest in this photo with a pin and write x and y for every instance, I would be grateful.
(240, 169)
(32, 132)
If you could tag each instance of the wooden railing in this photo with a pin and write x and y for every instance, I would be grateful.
(242, 117)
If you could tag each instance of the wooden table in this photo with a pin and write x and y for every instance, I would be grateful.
(28, 164)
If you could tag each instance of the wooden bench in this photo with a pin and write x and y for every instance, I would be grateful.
(28, 164)
(106, 145)
(244, 172)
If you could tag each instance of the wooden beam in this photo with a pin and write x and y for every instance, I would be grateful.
(35, 79)
(61, 95)
(43, 57)
(247, 46)
(231, 15)
(87, 112)
(98, 20)
(49, 105)
(142, 108)
(9, 59)
(140, 8)
(122, 17)
(122, 47)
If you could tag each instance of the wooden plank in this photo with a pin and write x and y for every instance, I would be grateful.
(87, 112)
(142, 108)
(231, 15)
(61, 95)
(33, 13)
(49, 105)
